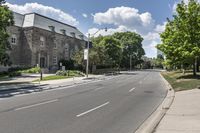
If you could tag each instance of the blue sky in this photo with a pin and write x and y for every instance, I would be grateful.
(146, 17)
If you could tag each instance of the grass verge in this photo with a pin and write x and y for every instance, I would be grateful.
(181, 81)
(53, 77)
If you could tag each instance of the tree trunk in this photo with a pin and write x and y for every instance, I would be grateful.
(197, 65)
(194, 67)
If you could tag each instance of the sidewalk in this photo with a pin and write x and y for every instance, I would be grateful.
(184, 114)
(20, 86)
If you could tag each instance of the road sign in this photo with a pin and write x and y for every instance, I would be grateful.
(85, 54)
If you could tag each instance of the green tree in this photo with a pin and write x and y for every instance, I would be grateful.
(131, 43)
(112, 51)
(180, 40)
(6, 19)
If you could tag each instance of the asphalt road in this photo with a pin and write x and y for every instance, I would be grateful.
(116, 105)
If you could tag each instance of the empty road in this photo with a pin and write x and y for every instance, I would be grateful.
(115, 105)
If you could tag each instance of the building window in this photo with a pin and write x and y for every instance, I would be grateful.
(76, 48)
(42, 41)
(52, 28)
(66, 50)
(13, 39)
(55, 46)
(81, 37)
(55, 60)
(63, 31)
(73, 34)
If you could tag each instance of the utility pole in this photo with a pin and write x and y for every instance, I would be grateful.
(88, 47)
(130, 62)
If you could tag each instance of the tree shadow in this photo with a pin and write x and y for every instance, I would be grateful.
(189, 77)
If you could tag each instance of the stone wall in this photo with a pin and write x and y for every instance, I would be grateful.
(15, 51)
(55, 45)
(29, 50)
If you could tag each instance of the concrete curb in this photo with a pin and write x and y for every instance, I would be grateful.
(38, 88)
(152, 122)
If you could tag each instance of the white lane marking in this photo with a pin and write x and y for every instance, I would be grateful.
(34, 105)
(131, 89)
(84, 113)
(98, 88)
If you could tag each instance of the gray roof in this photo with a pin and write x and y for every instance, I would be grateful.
(43, 22)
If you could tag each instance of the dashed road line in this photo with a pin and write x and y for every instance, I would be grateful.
(86, 112)
(34, 105)
(131, 89)
(98, 88)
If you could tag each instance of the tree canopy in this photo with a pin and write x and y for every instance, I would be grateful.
(6, 19)
(181, 38)
(114, 50)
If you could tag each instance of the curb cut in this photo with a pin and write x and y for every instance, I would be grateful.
(152, 122)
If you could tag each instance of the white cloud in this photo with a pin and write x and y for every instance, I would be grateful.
(109, 31)
(160, 28)
(129, 19)
(176, 3)
(126, 16)
(44, 10)
(84, 15)
(151, 39)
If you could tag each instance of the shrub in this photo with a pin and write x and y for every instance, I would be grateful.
(15, 74)
(32, 70)
(61, 73)
(69, 73)
(13, 69)
(69, 64)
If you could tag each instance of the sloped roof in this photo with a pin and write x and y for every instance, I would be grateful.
(43, 22)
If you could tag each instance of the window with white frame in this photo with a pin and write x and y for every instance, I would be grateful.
(76, 48)
(13, 39)
(52, 28)
(55, 60)
(55, 46)
(42, 41)
(66, 50)
(73, 34)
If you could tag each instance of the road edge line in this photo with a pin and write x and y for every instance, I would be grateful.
(154, 119)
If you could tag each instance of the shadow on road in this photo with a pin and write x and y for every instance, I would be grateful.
(9, 92)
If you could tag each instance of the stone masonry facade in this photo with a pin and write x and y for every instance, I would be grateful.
(33, 45)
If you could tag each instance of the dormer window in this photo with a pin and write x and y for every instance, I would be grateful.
(63, 31)
(73, 34)
(81, 36)
(52, 28)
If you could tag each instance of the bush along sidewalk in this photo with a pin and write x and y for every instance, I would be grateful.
(17, 71)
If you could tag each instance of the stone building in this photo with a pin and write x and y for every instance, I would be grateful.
(36, 39)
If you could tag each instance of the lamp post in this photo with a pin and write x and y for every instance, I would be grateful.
(87, 51)
(87, 65)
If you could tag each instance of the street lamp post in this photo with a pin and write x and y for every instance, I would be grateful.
(88, 43)
(87, 65)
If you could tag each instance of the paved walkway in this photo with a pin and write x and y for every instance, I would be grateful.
(20, 85)
(24, 78)
(184, 114)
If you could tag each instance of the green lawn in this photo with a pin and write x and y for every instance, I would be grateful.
(53, 77)
(3, 77)
(181, 81)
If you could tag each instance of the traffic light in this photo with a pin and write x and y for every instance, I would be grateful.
(90, 44)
